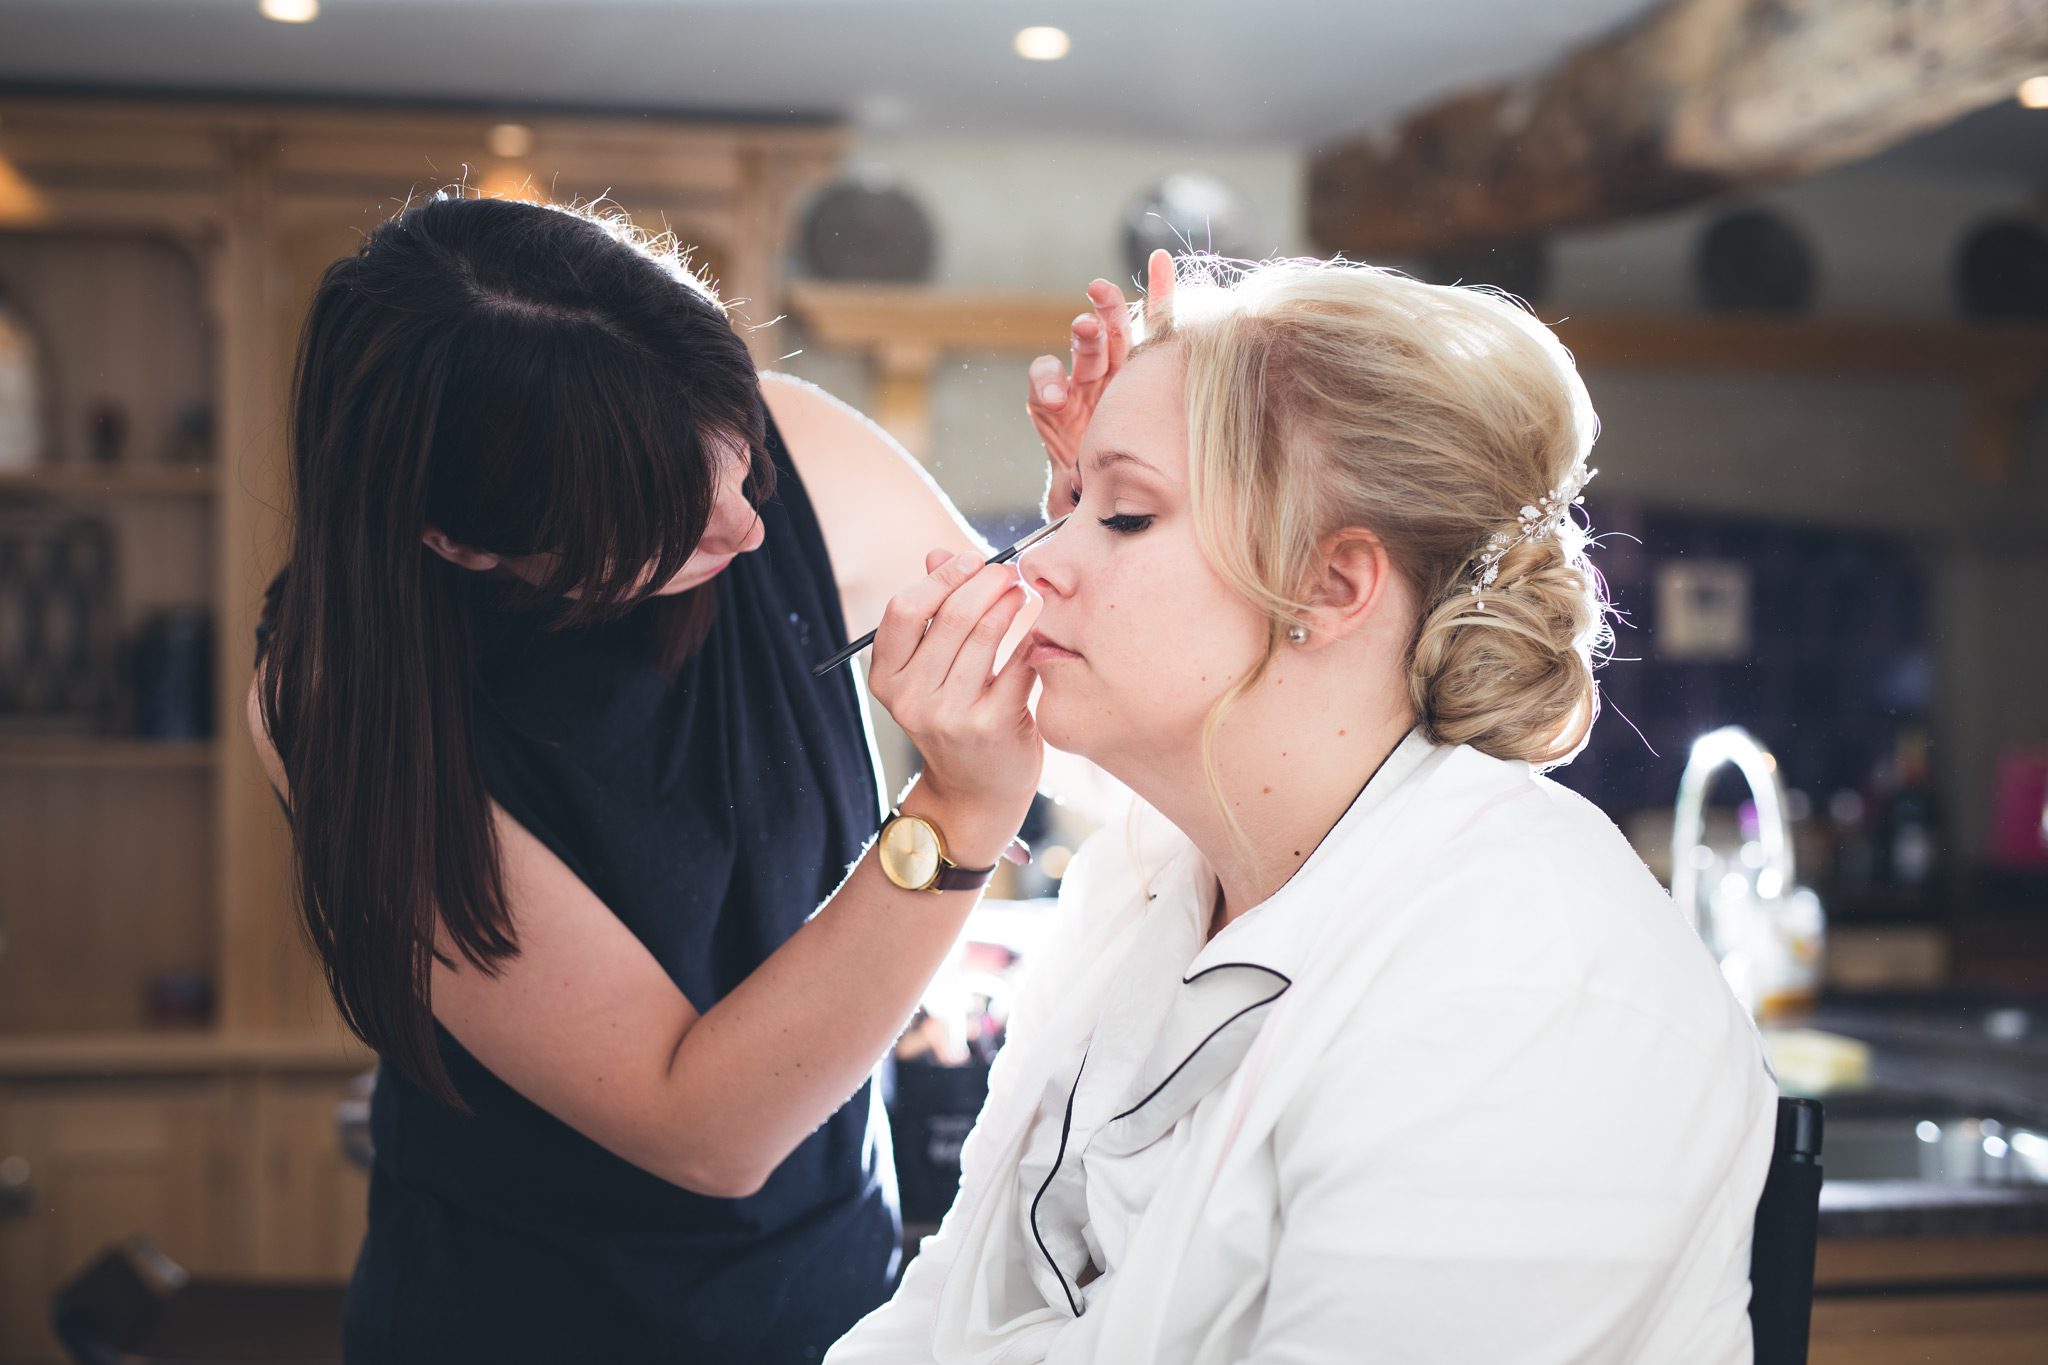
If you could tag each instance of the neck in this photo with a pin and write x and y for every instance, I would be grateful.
(1290, 758)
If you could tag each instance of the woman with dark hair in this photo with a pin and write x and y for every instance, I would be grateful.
(580, 842)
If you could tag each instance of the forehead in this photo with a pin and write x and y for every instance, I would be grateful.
(1142, 416)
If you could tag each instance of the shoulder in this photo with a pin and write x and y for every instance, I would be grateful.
(833, 445)
(1543, 973)
(877, 507)
(798, 404)
(1539, 899)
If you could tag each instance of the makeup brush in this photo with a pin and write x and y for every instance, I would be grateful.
(999, 557)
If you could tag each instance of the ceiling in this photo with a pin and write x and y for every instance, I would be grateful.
(1298, 72)
(1275, 70)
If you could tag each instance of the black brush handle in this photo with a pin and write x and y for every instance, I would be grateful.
(999, 557)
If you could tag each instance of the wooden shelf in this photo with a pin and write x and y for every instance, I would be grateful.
(137, 481)
(2003, 368)
(863, 315)
(178, 1050)
(124, 755)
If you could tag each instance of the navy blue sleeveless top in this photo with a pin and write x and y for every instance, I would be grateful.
(711, 812)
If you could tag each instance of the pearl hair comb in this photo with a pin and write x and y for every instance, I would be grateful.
(1538, 520)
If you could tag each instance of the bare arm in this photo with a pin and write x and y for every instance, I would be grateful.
(585, 1023)
(879, 509)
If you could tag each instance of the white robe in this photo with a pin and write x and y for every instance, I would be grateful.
(1466, 1088)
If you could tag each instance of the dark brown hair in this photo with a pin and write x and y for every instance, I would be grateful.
(529, 379)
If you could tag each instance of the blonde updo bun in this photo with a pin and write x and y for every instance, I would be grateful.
(1511, 673)
(1327, 394)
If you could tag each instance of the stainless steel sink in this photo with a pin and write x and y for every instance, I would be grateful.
(1944, 1149)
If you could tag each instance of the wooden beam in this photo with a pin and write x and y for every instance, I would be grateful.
(1698, 98)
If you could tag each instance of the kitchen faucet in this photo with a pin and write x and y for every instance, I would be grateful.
(1761, 926)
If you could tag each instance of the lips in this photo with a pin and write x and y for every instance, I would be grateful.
(1041, 648)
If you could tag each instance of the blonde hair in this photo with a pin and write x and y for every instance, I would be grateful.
(1323, 395)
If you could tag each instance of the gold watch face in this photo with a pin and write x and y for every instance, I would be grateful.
(910, 853)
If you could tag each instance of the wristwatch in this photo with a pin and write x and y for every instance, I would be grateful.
(913, 856)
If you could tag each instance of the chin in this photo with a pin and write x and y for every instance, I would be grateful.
(1059, 730)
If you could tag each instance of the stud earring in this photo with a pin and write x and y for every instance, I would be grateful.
(1297, 635)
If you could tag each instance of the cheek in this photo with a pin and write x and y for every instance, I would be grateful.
(1167, 638)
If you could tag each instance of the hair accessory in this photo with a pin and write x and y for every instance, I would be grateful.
(1297, 635)
(1538, 520)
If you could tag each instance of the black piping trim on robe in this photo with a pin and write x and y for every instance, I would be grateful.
(1285, 985)
(1066, 1124)
(1066, 1127)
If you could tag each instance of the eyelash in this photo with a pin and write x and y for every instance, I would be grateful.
(1129, 523)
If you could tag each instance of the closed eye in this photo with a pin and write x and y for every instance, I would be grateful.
(1127, 523)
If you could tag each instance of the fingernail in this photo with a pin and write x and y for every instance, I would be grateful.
(967, 563)
(1052, 393)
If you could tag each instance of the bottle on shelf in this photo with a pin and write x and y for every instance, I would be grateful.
(1913, 816)
(24, 389)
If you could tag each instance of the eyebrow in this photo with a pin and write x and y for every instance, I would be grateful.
(1106, 458)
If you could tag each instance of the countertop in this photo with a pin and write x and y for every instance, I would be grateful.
(1937, 1056)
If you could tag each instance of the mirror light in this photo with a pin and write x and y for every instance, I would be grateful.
(1042, 44)
(509, 140)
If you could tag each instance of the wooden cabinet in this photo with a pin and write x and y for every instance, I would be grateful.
(226, 1156)
(1905, 1300)
(104, 1163)
(167, 251)
(310, 1202)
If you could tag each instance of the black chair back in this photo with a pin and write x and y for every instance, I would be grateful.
(1787, 1231)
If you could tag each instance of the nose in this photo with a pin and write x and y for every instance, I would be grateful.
(756, 532)
(1046, 568)
(735, 528)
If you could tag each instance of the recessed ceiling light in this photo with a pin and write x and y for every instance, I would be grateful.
(1042, 44)
(290, 11)
(2034, 92)
(509, 140)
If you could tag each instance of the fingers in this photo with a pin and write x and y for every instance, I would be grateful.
(1115, 316)
(904, 619)
(927, 625)
(1010, 690)
(968, 676)
(1046, 382)
(1091, 341)
(1158, 288)
(958, 628)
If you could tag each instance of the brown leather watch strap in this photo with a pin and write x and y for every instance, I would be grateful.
(953, 878)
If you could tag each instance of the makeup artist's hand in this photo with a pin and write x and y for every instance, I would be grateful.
(1061, 399)
(933, 667)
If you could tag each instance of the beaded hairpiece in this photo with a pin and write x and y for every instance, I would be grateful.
(1538, 520)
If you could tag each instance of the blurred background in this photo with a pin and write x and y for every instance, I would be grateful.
(1799, 247)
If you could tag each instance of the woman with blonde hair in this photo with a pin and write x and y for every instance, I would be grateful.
(1361, 1040)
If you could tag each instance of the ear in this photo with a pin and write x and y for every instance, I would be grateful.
(1355, 581)
(435, 539)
